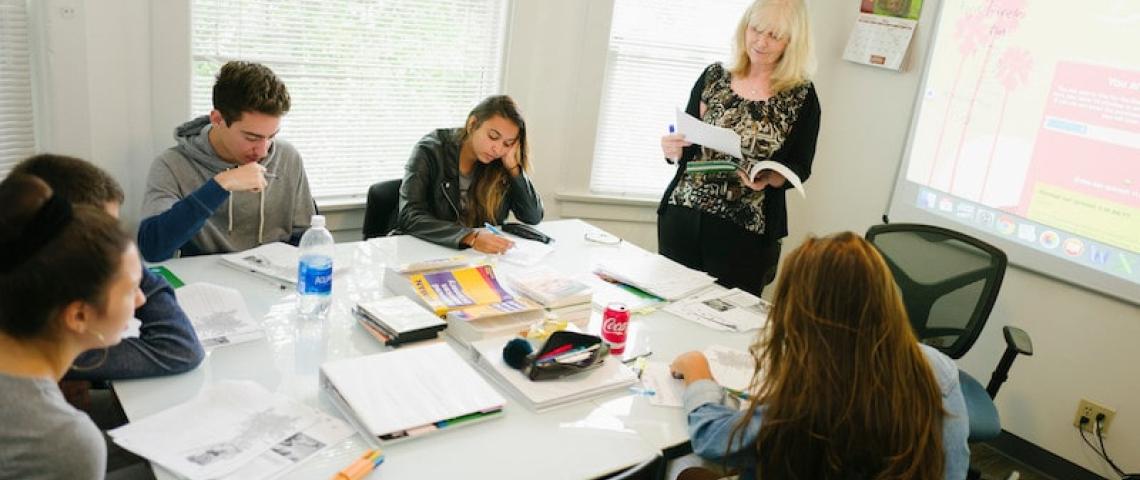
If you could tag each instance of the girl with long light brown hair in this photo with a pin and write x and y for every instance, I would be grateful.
(842, 388)
(459, 179)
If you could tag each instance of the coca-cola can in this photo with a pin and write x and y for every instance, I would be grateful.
(615, 326)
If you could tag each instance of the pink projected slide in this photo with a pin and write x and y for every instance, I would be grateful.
(1085, 167)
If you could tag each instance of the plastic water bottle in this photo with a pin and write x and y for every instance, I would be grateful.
(314, 271)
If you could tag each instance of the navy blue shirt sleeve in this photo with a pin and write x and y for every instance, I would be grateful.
(163, 234)
(167, 343)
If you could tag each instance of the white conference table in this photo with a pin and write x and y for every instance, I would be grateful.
(584, 440)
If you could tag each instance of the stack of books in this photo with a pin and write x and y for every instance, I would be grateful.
(471, 298)
(398, 320)
(561, 296)
(611, 376)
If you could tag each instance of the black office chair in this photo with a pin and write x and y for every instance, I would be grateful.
(381, 208)
(949, 283)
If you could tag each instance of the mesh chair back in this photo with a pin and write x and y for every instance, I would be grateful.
(949, 281)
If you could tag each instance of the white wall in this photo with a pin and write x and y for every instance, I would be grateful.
(116, 82)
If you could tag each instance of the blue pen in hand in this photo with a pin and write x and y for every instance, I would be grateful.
(492, 228)
(672, 130)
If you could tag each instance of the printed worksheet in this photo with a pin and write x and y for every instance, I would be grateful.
(219, 314)
(224, 428)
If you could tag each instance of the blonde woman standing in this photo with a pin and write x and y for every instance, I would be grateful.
(727, 224)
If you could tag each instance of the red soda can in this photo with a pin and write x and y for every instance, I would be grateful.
(615, 323)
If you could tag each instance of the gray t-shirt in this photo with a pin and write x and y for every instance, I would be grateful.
(44, 437)
(464, 186)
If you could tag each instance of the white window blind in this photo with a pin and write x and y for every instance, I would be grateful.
(17, 131)
(367, 78)
(657, 50)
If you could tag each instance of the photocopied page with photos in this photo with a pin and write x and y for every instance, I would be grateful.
(290, 452)
(221, 430)
(277, 261)
(219, 314)
(731, 368)
(720, 309)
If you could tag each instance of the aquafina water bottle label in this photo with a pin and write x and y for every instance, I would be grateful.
(315, 276)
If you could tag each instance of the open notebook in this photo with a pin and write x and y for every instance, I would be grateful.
(546, 394)
(409, 392)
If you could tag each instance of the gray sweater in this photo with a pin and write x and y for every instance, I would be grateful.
(44, 437)
(185, 209)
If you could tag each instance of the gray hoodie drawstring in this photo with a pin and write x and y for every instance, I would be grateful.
(261, 216)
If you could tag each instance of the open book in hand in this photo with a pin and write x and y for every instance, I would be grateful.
(749, 168)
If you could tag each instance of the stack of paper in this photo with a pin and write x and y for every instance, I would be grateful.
(397, 320)
(232, 430)
(607, 291)
(409, 392)
(720, 309)
(654, 274)
(494, 320)
(526, 252)
(551, 289)
(546, 394)
(276, 261)
(219, 314)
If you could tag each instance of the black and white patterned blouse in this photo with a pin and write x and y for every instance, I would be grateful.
(782, 128)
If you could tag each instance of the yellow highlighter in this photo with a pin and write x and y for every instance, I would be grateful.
(362, 466)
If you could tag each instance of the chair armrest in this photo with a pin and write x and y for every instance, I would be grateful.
(1016, 342)
(1016, 339)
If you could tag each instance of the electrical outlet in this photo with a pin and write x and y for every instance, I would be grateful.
(1090, 410)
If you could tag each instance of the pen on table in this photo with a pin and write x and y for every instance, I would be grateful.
(637, 357)
(362, 466)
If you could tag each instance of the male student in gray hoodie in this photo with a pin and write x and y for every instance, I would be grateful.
(229, 184)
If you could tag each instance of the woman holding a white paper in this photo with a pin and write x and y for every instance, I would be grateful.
(728, 224)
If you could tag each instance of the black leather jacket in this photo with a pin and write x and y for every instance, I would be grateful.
(429, 195)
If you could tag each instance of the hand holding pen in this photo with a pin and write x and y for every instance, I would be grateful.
(673, 145)
(251, 177)
(490, 240)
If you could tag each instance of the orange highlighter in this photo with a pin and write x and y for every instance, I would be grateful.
(362, 466)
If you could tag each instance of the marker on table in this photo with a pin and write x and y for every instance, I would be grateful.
(362, 466)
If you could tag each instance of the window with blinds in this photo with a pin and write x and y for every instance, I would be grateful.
(367, 78)
(17, 130)
(657, 50)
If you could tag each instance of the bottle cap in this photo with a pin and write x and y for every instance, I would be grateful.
(318, 221)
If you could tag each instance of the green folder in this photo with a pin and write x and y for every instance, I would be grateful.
(170, 277)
